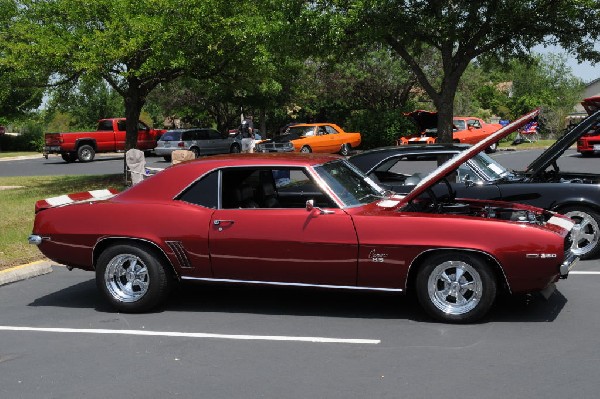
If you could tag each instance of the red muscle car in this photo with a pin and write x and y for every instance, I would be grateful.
(466, 129)
(589, 143)
(310, 221)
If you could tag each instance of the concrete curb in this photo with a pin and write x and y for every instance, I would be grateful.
(26, 271)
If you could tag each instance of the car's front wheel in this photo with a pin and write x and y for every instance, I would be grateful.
(586, 240)
(456, 287)
(492, 148)
(306, 150)
(345, 150)
(132, 278)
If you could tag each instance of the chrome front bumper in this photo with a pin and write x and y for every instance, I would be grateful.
(568, 264)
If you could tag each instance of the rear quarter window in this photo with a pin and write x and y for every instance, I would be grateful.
(204, 192)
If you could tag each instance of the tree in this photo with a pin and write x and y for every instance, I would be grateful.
(460, 31)
(134, 45)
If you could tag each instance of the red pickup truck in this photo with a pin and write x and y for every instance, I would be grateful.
(108, 137)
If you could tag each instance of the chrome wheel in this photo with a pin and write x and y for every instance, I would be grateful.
(585, 240)
(455, 287)
(345, 150)
(126, 278)
(306, 149)
(492, 148)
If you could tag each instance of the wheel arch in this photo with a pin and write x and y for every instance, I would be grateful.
(490, 260)
(86, 141)
(107, 242)
(577, 204)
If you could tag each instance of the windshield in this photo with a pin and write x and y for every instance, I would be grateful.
(459, 124)
(302, 131)
(489, 167)
(349, 184)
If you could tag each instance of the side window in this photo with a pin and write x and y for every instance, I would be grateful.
(330, 130)
(106, 126)
(202, 135)
(213, 134)
(188, 135)
(475, 123)
(270, 188)
(142, 126)
(204, 192)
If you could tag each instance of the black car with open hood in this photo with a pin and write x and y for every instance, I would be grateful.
(543, 183)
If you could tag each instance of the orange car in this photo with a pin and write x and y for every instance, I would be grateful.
(312, 137)
(467, 129)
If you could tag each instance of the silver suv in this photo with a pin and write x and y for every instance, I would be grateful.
(201, 141)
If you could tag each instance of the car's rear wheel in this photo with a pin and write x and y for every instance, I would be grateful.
(456, 287)
(132, 278)
(586, 241)
(345, 150)
(235, 148)
(68, 157)
(492, 148)
(167, 158)
(86, 153)
(306, 149)
(196, 152)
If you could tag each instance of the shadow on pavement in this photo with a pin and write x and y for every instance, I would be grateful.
(304, 302)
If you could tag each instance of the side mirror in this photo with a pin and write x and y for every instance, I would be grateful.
(310, 206)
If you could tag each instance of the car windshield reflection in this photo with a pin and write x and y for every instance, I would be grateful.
(349, 185)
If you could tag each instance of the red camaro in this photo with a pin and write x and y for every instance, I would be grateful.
(310, 221)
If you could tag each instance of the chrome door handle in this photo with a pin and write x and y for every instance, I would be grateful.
(218, 222)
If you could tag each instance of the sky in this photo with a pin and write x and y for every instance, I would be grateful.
(584, 71)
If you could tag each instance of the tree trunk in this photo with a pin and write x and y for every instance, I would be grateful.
(263, 123)
(134, 101)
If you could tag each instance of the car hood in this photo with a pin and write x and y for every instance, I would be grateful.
(283, 138)
(423, 119)
(552, 153)
(453, 163)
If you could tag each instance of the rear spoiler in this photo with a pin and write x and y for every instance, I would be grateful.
(84, 196)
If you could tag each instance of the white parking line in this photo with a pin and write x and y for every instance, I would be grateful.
(196, 335)
(582, 272)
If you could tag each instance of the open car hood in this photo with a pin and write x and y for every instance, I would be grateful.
(552, 153)
(453, 163)
(423, 119)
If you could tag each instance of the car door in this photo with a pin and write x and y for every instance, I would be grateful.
(286, 244)
(218, 143)
(145, 140)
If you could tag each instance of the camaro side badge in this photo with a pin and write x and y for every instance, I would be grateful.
(542, 256)
(376, 257)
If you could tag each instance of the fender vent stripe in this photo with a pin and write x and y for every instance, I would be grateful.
(180, 253)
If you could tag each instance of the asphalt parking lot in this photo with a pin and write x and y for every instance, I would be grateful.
(59, 339)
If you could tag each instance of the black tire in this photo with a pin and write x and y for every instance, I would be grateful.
(586, 243)
(345, 150)
(476, 287)
(167, 158)
(68, 157)
(196, 152)
(235, 149)
(306, 150)
(86, 153)
(492, 148)
(586, 154)
(140, 268)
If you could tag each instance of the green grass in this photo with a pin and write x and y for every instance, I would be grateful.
(10, 154)
(17, 209)
(527, 146)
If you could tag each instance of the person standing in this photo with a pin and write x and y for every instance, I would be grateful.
(247, 131)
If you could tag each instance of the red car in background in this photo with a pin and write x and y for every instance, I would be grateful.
(466, 130)
(589, 143)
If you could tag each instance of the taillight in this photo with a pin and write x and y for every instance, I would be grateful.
(181, 144)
